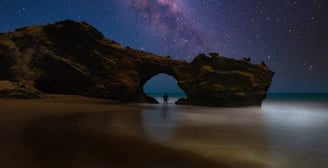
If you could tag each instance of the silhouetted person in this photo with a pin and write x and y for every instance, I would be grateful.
(165, 98)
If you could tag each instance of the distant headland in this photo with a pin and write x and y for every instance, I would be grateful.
(71, 57)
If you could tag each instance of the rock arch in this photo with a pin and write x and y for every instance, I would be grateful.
(161, 83)
(213, 80)
(149, 68)
(74, 58)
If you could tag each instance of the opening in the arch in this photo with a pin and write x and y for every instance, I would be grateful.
(163, 83)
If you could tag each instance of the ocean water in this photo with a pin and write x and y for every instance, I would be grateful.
(271, 96)
(287, 131)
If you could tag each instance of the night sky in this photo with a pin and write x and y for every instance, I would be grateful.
(291, 36)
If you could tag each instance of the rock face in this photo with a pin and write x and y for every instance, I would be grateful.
(18, 90)
(218, 81)
(71, 57)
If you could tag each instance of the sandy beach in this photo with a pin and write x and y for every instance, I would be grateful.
(75, 131)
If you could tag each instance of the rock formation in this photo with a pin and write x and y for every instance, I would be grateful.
(18, 90)
(71, 57)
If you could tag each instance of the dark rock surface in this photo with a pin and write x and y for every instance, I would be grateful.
(219, 81)
(71, 57)
(18, 90)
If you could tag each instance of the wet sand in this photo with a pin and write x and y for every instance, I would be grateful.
(74, 131)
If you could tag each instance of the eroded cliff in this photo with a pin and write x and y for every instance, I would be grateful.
(71, 57)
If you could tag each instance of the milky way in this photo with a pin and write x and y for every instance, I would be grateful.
(170, 20)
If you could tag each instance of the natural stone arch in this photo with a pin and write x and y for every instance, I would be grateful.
(74, 58)
(169, 84)
(150, 66)
(211, 81)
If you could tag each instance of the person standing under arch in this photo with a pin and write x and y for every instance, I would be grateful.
(165, 98)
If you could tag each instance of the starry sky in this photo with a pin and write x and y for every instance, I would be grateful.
(290, 36)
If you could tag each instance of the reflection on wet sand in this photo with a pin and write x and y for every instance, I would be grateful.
(82, 132)
(101, 139)
(236, 135)
(68, 132)
(159, 123)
